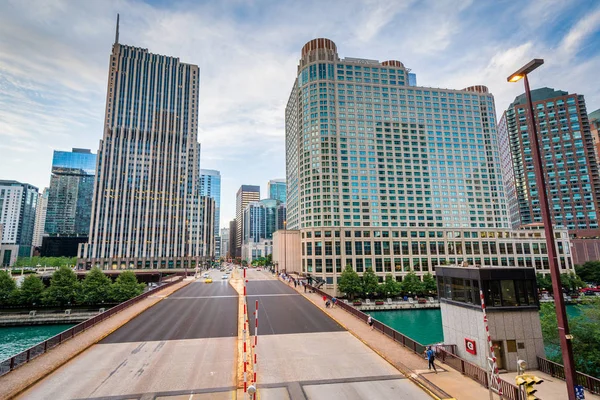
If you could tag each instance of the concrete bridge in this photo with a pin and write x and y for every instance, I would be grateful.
(188, 345)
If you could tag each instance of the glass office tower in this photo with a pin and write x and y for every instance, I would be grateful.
(18, 205)
(394, 177)
(569, 160)
(70, 193)
(145, 211)
(276, 188)
(210, 186)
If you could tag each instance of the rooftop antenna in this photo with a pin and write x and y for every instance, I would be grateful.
(117, 31)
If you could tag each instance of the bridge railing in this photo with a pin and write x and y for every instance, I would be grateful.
(27, 355)
(446, 353)
(558, 371)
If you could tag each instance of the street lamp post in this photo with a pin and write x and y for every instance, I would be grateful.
(559, 302)
(285, 246)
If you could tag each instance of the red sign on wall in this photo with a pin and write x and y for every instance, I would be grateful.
(470, 346)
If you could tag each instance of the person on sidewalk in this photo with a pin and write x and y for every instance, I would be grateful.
(333, 302)
(430, 354)
(370, 322)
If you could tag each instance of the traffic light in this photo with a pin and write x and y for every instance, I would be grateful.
(528, 382)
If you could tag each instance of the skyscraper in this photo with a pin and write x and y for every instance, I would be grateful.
(225, 242)
(70, 193)
(207, 231)
(147, 196)
(594, 118)
(245, 195)
(40, 218)
(394, 177)
(233, 239)
(18, 204)
(210, 185)
(570, 166)
(276, 188)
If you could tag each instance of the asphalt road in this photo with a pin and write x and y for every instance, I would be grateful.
(200, 310)
(281, 310)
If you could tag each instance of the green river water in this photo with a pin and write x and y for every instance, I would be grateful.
(15, 339)
(425, 326)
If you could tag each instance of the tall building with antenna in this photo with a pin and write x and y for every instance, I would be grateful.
(145, 211)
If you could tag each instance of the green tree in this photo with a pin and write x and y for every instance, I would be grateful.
(411, 284)
(95, 288)
(389, 287)
(350, 282)
(31, 291)
(126, 287)
(585, 330)
(544, 282)
(63, 288)
(589, 271)
(370, 282)
(429, 283)
(8, 288)
(570, 281)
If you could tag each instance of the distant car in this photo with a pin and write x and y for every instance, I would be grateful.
(208, 280)
(205, 275)
(225, 276)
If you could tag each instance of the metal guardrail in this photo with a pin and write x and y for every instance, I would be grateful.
(27, 355)
(445, 353)
(558, 371)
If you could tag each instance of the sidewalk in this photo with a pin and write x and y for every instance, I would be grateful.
(23, 377)
(450, 381)
(551, 389)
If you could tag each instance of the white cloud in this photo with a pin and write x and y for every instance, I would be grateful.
(54, 58)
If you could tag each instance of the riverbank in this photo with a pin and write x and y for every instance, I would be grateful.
(45, 318)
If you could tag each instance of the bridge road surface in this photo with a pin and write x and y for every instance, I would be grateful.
(184, 344)
(303, 354)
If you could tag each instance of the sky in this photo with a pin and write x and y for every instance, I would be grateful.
(54, 65)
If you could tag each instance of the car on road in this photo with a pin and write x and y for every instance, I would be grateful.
(208, 280)
(225, 276)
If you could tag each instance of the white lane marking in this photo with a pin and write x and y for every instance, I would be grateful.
(202, 297)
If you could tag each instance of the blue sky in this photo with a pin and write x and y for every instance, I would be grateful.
(54, 59)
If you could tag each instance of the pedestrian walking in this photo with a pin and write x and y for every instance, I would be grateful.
(333, 302)
(295, 283)
(430, 355)
(325, 299)
(370, 322)
(327, 304)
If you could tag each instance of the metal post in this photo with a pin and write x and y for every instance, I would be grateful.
(559, 302)
(285, 245)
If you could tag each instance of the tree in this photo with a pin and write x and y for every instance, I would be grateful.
(544, 282)
(585, 330)
(8, 288)
(350, 282)
(589, 272)
(126, 287)
(389, 287)
(63, 287)
(411, 284)
(570, 281)
(95, 288)
(370, 282)
(31, 291)
(429, 283)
